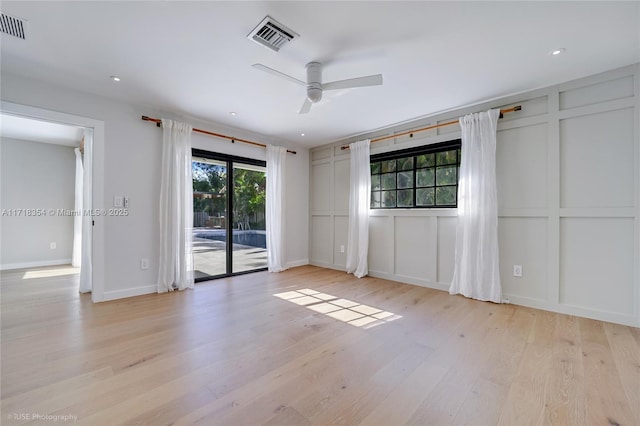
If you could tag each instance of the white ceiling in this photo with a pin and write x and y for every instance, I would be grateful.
(29, 129)
(193, 58)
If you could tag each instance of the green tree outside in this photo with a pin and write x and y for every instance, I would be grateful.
(210, 192)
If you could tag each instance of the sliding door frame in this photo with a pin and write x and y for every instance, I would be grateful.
(229, 160)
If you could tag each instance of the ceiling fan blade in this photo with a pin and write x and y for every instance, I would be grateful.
(306, 107)
(370, 80)
(279, 74)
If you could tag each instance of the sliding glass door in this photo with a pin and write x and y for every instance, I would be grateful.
(228, 226)
(249, 228)
(209, 217)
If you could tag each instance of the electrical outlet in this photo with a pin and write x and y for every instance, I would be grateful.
(517, 270)
(144, 264)
(52, 246)
(342, 249)
(126, 202)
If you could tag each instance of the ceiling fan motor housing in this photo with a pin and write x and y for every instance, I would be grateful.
(314, 81)
(314, 84)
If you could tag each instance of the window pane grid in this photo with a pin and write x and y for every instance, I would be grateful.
(418, 180)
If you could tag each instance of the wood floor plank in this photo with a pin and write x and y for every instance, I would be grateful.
(287, 416)
(276, 378)
(482, 404)
(606, 401)
(360, 397)
(565, 400)
(231, 352)
(495, 368)
(626, 355)
(464, 355)
(310, 374)
(526, 396)
(406, 396)
(508, 342)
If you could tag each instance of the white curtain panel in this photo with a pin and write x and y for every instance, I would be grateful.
(86, 270)
(276, 160)
(76, 253)
(359, 203)
(176, 209)
(476, 274)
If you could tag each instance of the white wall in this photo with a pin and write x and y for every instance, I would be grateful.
(35, 176)
(569, 211)
(132, 152)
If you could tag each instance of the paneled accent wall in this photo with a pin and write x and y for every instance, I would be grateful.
(568, 171)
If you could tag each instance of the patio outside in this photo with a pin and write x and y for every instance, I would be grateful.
(210, 251)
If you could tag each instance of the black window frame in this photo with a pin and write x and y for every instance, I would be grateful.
(413, 153)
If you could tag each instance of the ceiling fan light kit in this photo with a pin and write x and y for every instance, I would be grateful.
(314, 81)
(314, 85)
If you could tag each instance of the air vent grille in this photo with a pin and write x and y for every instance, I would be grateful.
(13, 26)
(271, 34)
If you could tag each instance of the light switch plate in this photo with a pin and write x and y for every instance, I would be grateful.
(117, 201)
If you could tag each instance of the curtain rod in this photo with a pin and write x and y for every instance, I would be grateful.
(218, 135)
(435, 126)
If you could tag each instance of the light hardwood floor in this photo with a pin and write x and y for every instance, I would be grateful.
(232, 353)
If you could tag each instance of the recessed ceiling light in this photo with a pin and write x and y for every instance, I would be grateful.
(559, 51)
(115, 78)
(301, 134)
(232, 113)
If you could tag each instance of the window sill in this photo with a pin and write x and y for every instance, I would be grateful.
(444, 211)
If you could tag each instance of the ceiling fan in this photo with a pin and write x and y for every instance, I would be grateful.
(315, 86)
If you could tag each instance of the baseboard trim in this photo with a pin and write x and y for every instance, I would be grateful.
(36, 264)
(413, 281)
(625, 319)
(129, 292)
(328, 266)
(296, 263)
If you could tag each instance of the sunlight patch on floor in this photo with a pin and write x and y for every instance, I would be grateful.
(344, 310)
(48, 273)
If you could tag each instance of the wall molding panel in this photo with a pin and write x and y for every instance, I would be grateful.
(568, 170)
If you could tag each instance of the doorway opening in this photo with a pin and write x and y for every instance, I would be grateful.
(32, 121)
(229, 220)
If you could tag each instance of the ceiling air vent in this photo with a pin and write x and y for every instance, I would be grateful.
(271, 34)
(13, 26)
